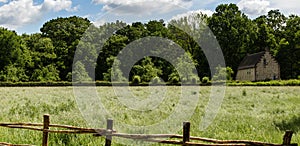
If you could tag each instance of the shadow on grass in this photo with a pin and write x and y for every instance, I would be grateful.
(290, 124)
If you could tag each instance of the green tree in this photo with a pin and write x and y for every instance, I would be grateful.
(10, 48)
(47, 73)
(289, 49)
(42, 58)
(222, 72)
(110, 47)
(265, 37)
(270, 30)
(276, 20)
(185, 68)
(13, 56)
(65, 34)
(114, 72)
(79, 72)
(233, 30)
(146, 70)
(134, 31)
(13, 73)
(185, 32)
(157, 28)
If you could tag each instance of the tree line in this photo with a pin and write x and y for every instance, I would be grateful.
(49, 55)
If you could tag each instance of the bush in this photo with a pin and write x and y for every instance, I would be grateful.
(194, 80)
(205, 80)
(136, 79)
(184, 80)
(155, 80)
(174, 80)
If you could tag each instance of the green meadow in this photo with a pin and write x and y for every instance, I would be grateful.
(247, 113)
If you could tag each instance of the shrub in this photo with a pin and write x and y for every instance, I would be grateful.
(194, 79)
(136, 79)
(174, 80)
(205, 80)
(184, 80)
(155, 80)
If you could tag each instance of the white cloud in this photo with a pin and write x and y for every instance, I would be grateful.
(286, 6)
(99, 22)
(57, 5)
(142, 7)
(254, 7)
(3, 1)
(18, 13)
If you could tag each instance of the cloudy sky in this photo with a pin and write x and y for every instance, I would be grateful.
(27, 16)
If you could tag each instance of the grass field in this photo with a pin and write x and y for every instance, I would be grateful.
(251, 113)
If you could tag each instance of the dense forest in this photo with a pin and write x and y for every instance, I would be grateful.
(48, 55)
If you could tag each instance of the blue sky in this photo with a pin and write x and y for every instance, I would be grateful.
(28, 16)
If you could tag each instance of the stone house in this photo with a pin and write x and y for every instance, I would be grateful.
(258, 67)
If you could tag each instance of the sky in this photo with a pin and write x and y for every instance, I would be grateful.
(28, 16)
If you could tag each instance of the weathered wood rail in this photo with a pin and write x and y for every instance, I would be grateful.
(109, 133)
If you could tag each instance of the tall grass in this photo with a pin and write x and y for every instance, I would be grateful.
(252, 113)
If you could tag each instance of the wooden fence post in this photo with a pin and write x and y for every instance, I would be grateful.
(110, 129)
(45, 132)
(287, 138)
(186, 132)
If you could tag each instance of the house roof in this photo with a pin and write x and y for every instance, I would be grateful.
(251, 60)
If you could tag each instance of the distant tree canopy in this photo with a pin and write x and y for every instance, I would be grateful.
(48, 56)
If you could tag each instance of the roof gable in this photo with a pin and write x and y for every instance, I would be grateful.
(251, 60)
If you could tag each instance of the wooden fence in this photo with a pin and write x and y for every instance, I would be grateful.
(109, 133)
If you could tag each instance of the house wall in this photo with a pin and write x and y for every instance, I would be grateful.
(246, 74)
(268, 69)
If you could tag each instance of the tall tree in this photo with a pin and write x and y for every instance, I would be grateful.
(233, 29)
(276, 20)
(13, 55)
(65, 34)
(265, 37)
(186, 31)
(110, 39)
(10, 47)
(146, 70)
(289, 49)
(270, 30)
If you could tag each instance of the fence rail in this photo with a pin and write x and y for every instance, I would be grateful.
(109, 133)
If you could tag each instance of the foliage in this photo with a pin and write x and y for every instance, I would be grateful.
(205, 80)
(48, 56)
(10, 44)
(155, 80)
(292, 82)
(136, 79)
(114, 73)
(223, 73)
(13, 74)
(79, 73)
(48, 73)
(233, 30)
(146, 70)
(65, 34)
(185, 68)
(174, 80)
